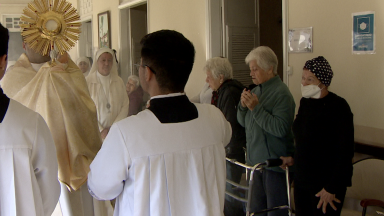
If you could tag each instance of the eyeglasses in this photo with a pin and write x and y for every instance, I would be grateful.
(139, 65)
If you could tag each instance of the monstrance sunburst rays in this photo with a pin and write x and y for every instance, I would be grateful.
(50, 24)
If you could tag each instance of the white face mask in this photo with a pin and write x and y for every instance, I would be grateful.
(311, 91)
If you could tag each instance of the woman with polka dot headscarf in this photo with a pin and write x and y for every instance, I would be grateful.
(324, 136)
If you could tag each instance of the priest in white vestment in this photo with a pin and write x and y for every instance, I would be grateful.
(60, 95)
(28, 163)
(107, 90)
(168, 159)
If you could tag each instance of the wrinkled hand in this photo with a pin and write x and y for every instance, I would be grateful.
(325, 199)
(249, 99)
(241, 99)
(287, 161)
(104, 132)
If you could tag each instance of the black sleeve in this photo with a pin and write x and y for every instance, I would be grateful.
(231, 99)
(342, 174)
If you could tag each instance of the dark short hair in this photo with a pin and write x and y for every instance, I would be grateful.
(170, 55)
(4, 38)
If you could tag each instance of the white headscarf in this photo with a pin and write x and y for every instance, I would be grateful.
(95, 68)
(86, 60)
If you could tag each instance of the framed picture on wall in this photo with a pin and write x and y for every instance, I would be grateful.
(104, 28)
(300, 40)
(363, 35)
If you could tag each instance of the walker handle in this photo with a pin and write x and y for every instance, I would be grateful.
(274, 162)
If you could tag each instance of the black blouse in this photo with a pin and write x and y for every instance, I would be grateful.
(324, 137)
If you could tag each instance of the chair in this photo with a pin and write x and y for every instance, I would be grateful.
(367, 188)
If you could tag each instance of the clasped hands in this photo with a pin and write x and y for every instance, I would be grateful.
(249, 99)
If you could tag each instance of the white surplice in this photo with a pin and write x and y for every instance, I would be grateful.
(157, 169)
(28, 164)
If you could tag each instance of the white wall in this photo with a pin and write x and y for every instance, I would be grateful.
(357, 78)
(11, 9)
(100, 6)
(73, 53)
(188, 18)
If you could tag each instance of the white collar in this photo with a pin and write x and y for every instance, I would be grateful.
(37, 67)
(168, 95)
(102, 77)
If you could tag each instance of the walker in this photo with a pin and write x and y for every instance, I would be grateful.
(259, 166)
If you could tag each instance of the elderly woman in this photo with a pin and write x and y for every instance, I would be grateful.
(226, 96)
(267, 114)
(84, 65)
(324, 136)
(135, 94)
(107, 90)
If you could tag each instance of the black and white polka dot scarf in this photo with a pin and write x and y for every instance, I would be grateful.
(321, 68)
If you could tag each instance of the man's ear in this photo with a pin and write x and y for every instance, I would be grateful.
(3, 65)
(148, 74)
(3, 62)
(24, 46)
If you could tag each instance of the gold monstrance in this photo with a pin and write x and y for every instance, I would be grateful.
(50, 24)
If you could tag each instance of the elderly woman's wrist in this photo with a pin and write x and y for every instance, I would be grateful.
(242, 108)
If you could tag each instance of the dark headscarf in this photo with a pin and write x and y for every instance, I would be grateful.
(321, 68)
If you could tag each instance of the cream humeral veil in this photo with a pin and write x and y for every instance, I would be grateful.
(60, 95)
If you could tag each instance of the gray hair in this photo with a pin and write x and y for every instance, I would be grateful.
(265, 58)
(219, 66)
(135, 79)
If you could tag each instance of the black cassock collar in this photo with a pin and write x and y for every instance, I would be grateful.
(4, 103)
(173, 109)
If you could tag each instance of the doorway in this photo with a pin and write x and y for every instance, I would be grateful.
(235, 28)
(133, 21)
(85, 48)
(271, 28)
